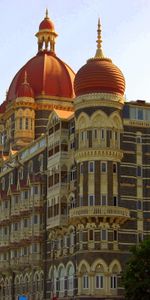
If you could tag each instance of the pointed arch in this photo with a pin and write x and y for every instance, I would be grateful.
(84, 264)
(115, 266)
(116, 121)
(83, 121)
(99, 119)
(101, 263)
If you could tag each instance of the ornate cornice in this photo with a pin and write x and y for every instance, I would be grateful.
(99, 99)
(136, 123)
(98, 154)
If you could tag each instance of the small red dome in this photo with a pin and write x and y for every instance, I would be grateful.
(46, 74)
(47, 24)
(25, 90)
(3, 107)
(99, 75)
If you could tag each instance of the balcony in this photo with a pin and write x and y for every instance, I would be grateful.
(4, 265)
(4, 242)
(14, 263)
(59, 220)
(15, 237)
(111, 214)
(35, 258)
(24, 261)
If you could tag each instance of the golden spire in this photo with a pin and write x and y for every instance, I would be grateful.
(99, 51)
(46, 14)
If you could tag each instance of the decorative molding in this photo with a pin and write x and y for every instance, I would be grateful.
(98, 154)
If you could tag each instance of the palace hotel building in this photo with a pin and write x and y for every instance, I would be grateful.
(74, 177)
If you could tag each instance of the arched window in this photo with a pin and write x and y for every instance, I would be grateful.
(26, 123)
(26, 280)
(70, 285)
(20, 123)
(113, 278)
(85, 278)
(99, 277)
(61, 279)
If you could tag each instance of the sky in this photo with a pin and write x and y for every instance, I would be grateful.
(125, 34)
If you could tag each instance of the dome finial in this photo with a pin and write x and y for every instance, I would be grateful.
(46, 13)
(25, 77)
(99, 51)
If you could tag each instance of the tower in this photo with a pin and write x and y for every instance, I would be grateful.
(99, 88)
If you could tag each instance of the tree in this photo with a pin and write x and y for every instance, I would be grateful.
(136, 276)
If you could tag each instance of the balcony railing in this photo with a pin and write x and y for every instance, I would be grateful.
(112, 213)
(56, 221)
(4, 265)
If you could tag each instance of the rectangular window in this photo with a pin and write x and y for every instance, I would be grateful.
(25, 223)
(91, 200)
(26, 124)
(116, 135)
(85, 281)
(34, 248)
(81, 168)
(113, 283)
(139, 171)
(140, 114)
(25, 251)
(5, 230)
(91, 235)
(103, 167)
(15, 226)
(115, 200)
(99, 282)
(95, 133)
(5, 256)
(103, 199)
(91, 166)
(139, 205)
(110, 134)
(102, 134)
(25, 194)
(35, 219)
(6, 204)
(133, 113)
(20, 123)
(15, 253)
(114, 168)
(82, 135)
(103, 234)
(115, 235)
(35, 189)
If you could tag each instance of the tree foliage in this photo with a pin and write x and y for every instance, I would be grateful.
(136, 276)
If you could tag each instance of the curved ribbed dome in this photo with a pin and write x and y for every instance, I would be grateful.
(97, 76)
(46, 74)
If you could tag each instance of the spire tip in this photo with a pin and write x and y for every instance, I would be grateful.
(99, 51)
(46, 13)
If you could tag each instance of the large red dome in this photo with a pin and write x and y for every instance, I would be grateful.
(99, 75)
(47, 75)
